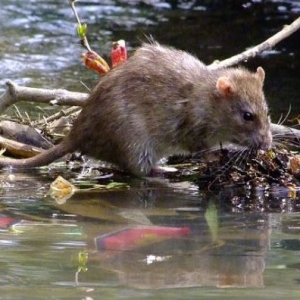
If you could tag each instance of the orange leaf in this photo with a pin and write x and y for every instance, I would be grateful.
(95, 62)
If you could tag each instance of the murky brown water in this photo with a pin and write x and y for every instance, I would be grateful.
(155, 239)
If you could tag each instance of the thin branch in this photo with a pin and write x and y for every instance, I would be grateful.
(84, 41)
(16, 93)
(266, 45)
(56, 116)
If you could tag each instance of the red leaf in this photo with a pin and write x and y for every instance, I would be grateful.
(118, 53)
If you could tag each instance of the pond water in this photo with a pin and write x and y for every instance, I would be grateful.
(155, 238)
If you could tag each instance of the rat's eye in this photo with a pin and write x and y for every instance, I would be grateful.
(248, 116)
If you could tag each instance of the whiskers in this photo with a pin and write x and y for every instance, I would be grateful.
(284, 141)
(236, 166)
(285, 137)
(282, 118)
(234, 158)
(231, 162)
(228, 156)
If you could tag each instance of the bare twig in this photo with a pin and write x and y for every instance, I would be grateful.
(266, 45)
(56, 116)
(84, 41)
(16, 93)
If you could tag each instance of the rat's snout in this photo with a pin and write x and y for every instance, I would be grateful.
(263, 140)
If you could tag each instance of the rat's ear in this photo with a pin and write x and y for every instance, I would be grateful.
(225, 87)
(260, 73)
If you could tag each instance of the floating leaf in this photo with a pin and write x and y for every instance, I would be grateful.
(89, 186)
(61, 190)
(95, 62)
(117, 185)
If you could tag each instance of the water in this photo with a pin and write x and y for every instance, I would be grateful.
(156, 239)
(190, 245)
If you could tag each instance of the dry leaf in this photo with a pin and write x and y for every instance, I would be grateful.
(295, 164)
(61, 190)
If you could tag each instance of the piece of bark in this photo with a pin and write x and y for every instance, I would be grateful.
(17, 149)
(23, 134)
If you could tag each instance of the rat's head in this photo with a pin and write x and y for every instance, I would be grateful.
(240, 101)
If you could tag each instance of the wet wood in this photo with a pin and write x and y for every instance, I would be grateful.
(16, 149)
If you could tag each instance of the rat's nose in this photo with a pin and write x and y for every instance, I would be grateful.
(264, 141)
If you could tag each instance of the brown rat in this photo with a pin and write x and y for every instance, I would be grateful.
(161, 102)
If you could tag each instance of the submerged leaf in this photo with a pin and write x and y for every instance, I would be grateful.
(117, 185)
(211, 217)
(82, 260)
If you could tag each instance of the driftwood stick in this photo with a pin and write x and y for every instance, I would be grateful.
(16, 93)
(266, 45)
(15, 148)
